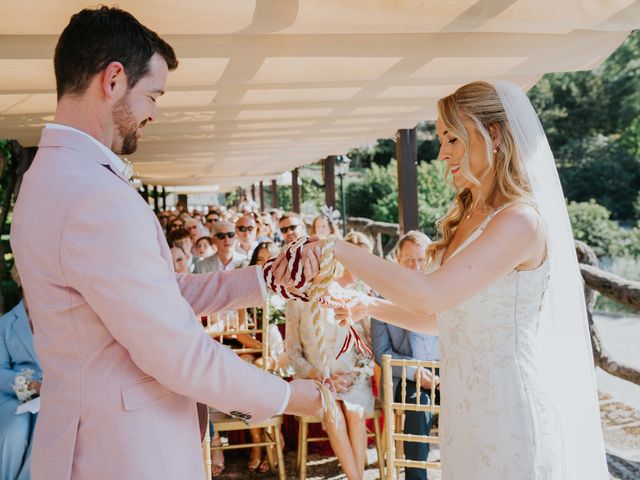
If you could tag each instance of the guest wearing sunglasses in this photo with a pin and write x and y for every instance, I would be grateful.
(292, 227)
(226, 258)
(246, 231)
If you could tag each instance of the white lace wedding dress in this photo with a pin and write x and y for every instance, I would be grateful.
(496, 422)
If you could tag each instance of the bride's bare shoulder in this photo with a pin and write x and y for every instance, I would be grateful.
(520, 225)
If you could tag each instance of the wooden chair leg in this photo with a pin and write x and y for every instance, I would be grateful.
(268, 435)
(299, 449)
(378, 440)
(304, 431)
(281, 470)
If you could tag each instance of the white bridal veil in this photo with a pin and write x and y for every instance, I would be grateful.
(568, 372)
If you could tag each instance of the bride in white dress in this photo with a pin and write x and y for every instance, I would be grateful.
(503, 291)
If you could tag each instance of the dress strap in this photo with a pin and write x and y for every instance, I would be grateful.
(493, 214)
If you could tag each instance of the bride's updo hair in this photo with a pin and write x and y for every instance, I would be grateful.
(479, 103)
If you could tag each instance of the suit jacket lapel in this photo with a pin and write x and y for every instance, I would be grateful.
(52, 137)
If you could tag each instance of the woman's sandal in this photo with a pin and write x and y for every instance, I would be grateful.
(264, 466)
(253, 464)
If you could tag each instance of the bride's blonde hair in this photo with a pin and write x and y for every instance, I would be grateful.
(479, 103)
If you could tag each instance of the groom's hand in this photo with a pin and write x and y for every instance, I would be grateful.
(311, 252)
(305, 399)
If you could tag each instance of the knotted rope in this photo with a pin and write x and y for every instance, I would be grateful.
(316, 294)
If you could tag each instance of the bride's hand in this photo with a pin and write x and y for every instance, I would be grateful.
(311, 252)
(356, 309)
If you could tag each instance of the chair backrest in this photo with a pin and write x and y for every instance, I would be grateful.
(252, 321)
(393, 409)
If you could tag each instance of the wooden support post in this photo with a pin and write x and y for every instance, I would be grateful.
(329, 173)
(407, 155)
(145, 192)
(164, 198)
(156, 203)
(183, 202)
(274, 194)
(261, 189)
(253, 192)
(295, 191)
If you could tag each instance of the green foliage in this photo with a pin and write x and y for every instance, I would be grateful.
(601, 168)
(591, 224)
(376, 196)
(592, 120)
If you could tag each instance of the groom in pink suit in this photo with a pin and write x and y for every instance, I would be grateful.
(123, 356)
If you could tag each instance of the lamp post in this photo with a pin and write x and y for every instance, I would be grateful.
(342, 168)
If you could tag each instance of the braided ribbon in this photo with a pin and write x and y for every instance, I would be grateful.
(315, 293)
(329, 405)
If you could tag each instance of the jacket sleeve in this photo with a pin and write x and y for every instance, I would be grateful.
(205, 293)
(382, 345)
(111, 255)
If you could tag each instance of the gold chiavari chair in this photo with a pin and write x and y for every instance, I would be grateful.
(394, 411)
(257, 323)
(304, 439)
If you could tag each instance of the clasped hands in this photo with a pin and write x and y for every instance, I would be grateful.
(310, 258)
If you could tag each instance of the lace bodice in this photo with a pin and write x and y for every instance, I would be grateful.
(496, 420)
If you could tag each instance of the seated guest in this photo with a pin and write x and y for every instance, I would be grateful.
(175, 224)
(204, 248)
(18, 364)
(211, 218)
(400, 343)
(291, 227)
(226, 257)
(350, 375)
(180, 238)
(246, 231)
(180, 260)
(322, 227)
(265, 229)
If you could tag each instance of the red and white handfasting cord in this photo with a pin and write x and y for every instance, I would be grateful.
(314, 291)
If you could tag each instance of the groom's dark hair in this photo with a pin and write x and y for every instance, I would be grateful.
(96, 37)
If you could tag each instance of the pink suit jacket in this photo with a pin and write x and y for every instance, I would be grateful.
(123, 355)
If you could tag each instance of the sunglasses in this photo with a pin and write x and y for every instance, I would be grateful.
(290, 228)
(212, 220)
(245, 229)
(177, 225)
(221, 236)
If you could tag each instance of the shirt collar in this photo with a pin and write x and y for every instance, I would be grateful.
(124, 167)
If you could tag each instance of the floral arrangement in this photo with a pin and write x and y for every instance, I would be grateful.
(277, 305)
(364, 366)
(331, 214)
(21, 385)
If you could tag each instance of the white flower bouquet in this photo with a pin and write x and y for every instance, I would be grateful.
(21, 385)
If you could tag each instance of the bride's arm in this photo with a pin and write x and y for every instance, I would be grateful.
(391, 313)
(513, 238)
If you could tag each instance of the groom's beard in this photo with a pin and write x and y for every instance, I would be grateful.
(126, 126)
